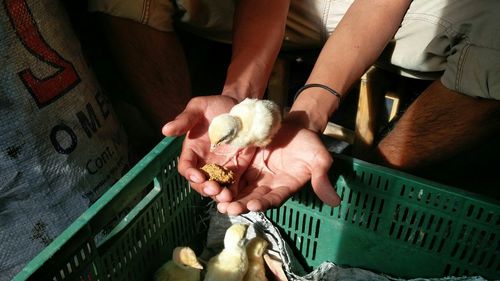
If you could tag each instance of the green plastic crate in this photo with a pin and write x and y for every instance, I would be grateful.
(388, 222)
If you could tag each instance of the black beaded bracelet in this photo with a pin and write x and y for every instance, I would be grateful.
(306, 86)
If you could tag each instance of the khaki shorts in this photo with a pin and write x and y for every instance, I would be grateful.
(457, 41)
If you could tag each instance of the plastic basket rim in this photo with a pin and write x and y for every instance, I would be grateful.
(481, 198)
(81, 222)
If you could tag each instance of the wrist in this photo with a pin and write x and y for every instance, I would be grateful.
(245, 80)
(239, 91)
(313, 107)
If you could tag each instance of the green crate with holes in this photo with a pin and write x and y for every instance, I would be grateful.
(388, 222)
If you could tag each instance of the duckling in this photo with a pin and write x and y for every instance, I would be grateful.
(231, 263)
(183, 266)
(252, 122)
(256, 268)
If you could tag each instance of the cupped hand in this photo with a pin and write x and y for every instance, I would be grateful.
(194, 122)
(295, 156)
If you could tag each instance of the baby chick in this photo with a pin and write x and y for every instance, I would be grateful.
(252, 122)
(231, 263)
(183, 266)
(256, 269)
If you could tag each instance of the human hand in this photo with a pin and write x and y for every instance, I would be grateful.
(194, 122)
(295, 156)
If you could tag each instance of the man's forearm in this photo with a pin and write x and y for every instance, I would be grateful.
(440, 124)
(352, 48)
(257, 37)
(153, 65)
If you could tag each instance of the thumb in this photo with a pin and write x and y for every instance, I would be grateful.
(322, 186)
(183, 122)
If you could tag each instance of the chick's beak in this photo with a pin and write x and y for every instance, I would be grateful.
(198, 266)
(213, 146)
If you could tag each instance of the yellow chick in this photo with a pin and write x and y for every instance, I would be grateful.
(231, 263)
(252, 122)
(183, 266)
(256, 268)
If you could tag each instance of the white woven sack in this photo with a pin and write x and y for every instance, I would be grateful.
(61, 145)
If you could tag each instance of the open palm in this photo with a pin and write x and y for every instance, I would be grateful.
(295, 156)
(194, 122)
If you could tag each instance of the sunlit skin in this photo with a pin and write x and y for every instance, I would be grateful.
(196, 147)
(253, 54)
(438, 125)
(297, 156)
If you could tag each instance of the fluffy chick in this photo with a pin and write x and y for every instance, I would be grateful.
(252, 122)
(256, 268)
(231, 263)
(183, 266)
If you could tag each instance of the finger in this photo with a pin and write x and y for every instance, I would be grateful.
(198, 188)
(191, 173)
(273, 198)
(321, 184)
(225, 195)
(198, 182)
(319, 179)
(236, 208)
(262, 199)
(222, 207)
(210, 188)
(213, 190)
(184, 121)
(188, 165)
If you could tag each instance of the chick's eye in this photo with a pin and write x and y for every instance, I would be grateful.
(228, 136)
(224, 138)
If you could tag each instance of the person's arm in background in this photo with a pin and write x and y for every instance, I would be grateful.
(258, 31)
(153, 64)
(148, 72)
(296, 154)
(353, 47)
(257, 37)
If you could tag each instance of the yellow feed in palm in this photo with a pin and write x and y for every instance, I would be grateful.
(218, 173)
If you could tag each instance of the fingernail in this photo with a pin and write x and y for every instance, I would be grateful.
(165, 127)
(210, 190)
(195, 179)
